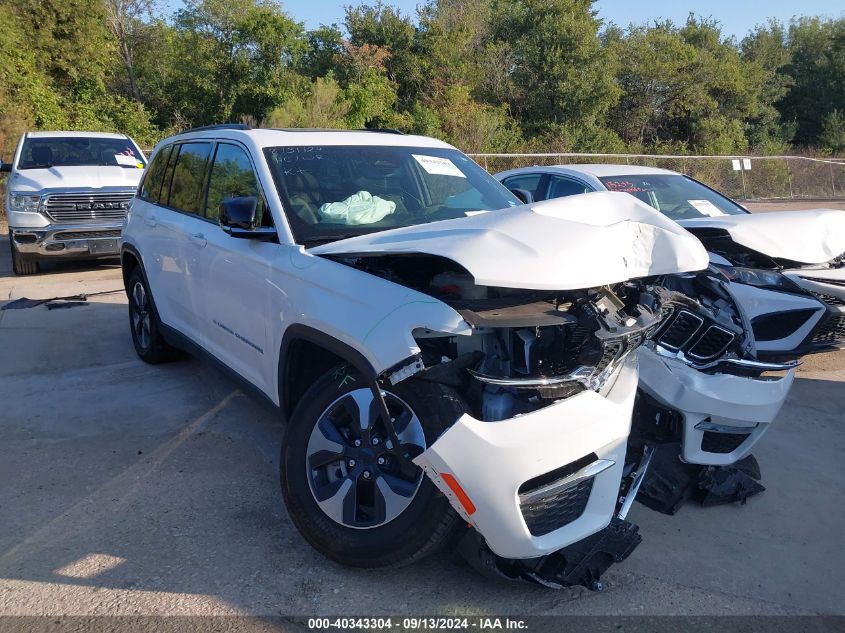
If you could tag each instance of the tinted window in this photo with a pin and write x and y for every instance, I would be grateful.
(44, 152)
(675, 196)
(529, 182)
(331, 192)
(189, 177)
(151, 187)
(232, 176)
(560, 187)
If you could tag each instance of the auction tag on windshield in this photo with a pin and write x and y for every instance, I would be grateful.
(438, 166)
(706, 207)
(126, 160)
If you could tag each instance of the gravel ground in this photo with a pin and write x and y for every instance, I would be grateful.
(132, 489)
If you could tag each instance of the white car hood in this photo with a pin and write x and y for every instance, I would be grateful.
(569, 243)
(814, 236)
(92, 177)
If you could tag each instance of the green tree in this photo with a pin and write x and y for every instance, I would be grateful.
(557, 70)
(817, 70)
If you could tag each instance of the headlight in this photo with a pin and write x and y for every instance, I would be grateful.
(759, 278)
(25, 203)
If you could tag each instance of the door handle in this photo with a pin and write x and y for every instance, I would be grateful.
(151, 222)
(199, 239)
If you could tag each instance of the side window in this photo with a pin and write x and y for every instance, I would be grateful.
(189, 177)
(232, 176)
(560, 187)
(151, 187)
(529, 182)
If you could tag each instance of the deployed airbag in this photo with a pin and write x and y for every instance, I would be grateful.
(359, 208)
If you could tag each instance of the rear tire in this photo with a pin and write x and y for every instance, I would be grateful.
(22, 264)
(361, 520)
(144, 323)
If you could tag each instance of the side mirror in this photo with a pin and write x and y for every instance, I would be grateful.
(5, 168)
(524, 195)
(237, 218)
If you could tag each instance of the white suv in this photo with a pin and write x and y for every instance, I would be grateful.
(67, 195)
(439, 351)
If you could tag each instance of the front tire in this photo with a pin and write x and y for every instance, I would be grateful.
(144, 323)
(353, 496)
(22, 264)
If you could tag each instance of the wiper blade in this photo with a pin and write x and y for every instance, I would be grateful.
(38, 166)
(333, 237)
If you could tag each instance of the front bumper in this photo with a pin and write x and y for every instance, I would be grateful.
(491, 461)
(828, 286)
(723, 415)
(69, 240)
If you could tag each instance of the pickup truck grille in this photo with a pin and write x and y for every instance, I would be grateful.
(87, 207)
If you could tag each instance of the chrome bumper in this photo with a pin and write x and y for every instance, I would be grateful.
(69, 240)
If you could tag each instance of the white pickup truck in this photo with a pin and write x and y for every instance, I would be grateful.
(67, 195)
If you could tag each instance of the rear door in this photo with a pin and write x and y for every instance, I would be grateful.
(232, 279)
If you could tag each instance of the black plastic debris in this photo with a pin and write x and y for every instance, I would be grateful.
(718, 485)
(55, 302)
(581, 563)
(670, 482)
(58, 305)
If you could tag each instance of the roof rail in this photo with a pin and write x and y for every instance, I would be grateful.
(384, 130)
(218, 126)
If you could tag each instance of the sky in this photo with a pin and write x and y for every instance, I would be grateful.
(736, 17)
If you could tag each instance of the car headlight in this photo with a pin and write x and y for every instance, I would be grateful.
(24, 202)
(759, 278)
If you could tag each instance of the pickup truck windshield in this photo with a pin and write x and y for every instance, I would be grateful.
(677, 197)
(75, 151)
(334, 192)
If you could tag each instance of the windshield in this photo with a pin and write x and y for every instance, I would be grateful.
(675, 196)
(333, 192)
(75, 151)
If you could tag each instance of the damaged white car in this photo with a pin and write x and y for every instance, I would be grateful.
(443, 355)
(775, 290)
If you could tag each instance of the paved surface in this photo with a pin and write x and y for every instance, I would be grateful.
(135, 489)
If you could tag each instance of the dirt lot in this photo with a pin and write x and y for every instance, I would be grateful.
(131, 489)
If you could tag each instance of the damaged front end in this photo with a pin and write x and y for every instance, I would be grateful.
(535, 465)
(705, 398)
(788, 271)
(552, 310)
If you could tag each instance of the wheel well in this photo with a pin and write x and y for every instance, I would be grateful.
(304, 363)
(128, 263)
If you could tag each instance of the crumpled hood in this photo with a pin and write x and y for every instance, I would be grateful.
(569, 243)
(91, 177)
(814, 236)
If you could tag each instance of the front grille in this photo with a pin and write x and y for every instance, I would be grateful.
(722, 442)
(85, 235)
(829, 299)
(713, 342)
(687, 332)
(546, 514)
(831, 331)
(87, 207)
(681, 330)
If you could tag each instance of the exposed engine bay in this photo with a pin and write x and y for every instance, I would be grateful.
(528, 349)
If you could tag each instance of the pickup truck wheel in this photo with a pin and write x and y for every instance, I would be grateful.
(144, 324)
(354, 496)
(22, 264)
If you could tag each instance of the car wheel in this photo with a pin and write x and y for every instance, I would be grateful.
(22, 264)
(144, 324)
(354, 496)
